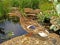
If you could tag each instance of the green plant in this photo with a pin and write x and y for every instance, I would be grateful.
(29, 4)
(35, 4)
(4, 8)
(40, 17)
(1, 9)
(25, 3)
(15, 3)
(10, 34)
(47, 14)
(46, 6)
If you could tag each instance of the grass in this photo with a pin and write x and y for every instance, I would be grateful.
(43, 5)
(5, 5)
(29, 4)
(46, 6)
(1, 9)
(4, 8)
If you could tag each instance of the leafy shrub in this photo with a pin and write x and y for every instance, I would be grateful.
(4, 8)
(46, 6)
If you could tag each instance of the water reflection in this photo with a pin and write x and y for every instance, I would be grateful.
(14, 27)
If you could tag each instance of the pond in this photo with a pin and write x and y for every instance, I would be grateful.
(13, 27)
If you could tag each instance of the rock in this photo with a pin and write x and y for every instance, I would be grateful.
(28, 10)
(53, 27)
(37, 11)
(32, 40)
(55, 20)
(31, 14)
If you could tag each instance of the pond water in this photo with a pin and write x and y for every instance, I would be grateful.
(14, 27)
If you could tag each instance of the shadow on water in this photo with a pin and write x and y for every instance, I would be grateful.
(14, 27)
